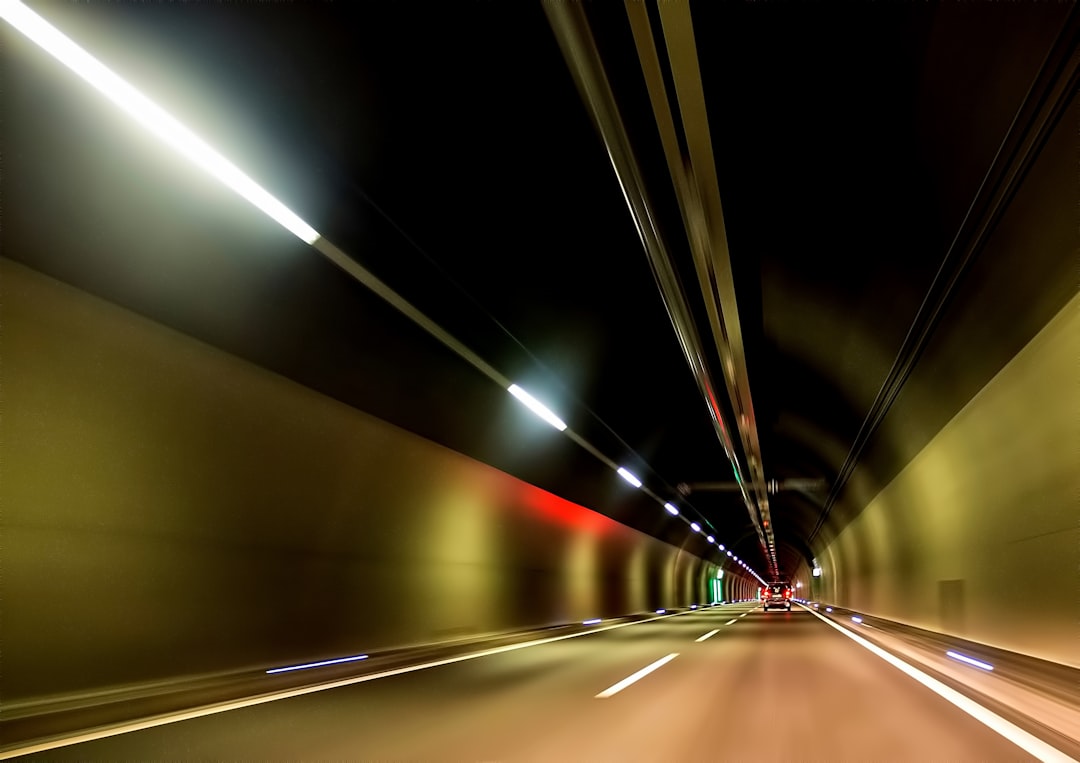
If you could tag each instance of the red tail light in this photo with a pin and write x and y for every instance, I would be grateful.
(787, 593)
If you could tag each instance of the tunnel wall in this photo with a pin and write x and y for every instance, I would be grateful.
(991, 508)
(170, 510)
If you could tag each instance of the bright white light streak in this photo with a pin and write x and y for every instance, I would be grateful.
(693, 606)
(729, 553)
(319, 664)
(828, 609)
(711, 539)
(695, 527)
(970, 660)
(699, 639)
(1022, 739)
(616, 688)
(721, 546)
(856, 619)
(150, 115)
(661, 611)
(671, 510)
(536, 407)
(629, 477)
(594, 621)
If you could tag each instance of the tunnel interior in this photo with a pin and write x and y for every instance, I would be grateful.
(223, 451)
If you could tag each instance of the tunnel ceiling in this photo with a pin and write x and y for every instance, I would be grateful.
(445, 147)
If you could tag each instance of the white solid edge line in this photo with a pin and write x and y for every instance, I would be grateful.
(1022, 739)
(732, 620)
(699, 639)
(223, 707)
(615, 689)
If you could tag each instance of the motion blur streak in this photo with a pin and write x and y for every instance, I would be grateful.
(1010, 731)
(224, 707)
(231, 454)
(150, 115)
(969, 660)
(357, 658)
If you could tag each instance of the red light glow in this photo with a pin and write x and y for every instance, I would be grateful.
(564, 512)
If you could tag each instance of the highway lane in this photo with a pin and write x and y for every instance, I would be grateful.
(770, 686)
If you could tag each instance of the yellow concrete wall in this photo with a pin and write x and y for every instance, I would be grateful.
(167, 509)
(992, 510)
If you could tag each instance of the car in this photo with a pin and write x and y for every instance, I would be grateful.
(776, 595)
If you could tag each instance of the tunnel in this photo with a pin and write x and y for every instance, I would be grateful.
(542, 381)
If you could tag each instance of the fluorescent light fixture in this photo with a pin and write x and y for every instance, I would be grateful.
(695, 527)
(536, 407)
(817, 572)
(594, 621)
(661, 611)
(711, 539)
(151, 116)
(729, 553)
(828, 609)
(969, 660)
(318, 664)
(629, 477)
(671, 510)
(856, 619)
(721, 545)
(693, 606)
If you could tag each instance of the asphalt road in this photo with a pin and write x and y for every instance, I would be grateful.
(768, 686)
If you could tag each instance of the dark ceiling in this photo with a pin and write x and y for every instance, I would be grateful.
(445, 147)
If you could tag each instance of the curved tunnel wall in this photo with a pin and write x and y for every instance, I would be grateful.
(170, 510)
(990, 511)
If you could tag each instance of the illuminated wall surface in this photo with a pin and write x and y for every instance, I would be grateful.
(990, 511)
(170, 510)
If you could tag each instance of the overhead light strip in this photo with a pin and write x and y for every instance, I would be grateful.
(537, 407)
(151, 116)
(185, 142)
(704, 211)
(570, 25)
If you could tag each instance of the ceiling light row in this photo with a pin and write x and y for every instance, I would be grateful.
(168, 129)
